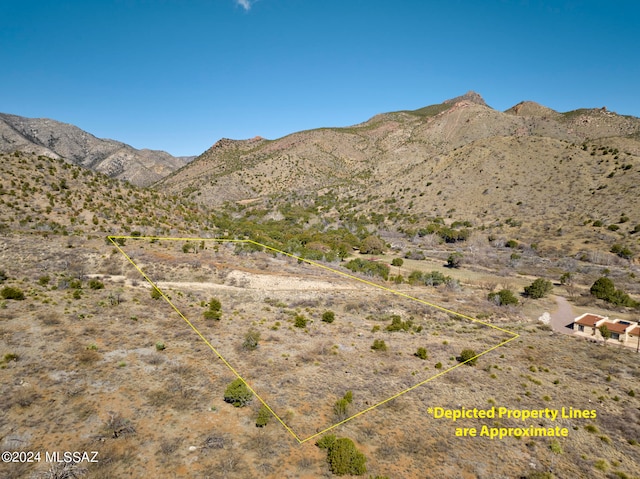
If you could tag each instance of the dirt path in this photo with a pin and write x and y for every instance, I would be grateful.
(563, 316)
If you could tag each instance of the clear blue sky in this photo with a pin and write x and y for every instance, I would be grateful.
(178, 75)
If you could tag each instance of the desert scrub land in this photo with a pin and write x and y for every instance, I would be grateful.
(299, 363)
(82, 369)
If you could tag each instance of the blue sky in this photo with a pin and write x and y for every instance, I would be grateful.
(177, 75)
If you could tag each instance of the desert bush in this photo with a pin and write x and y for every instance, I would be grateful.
(9, 292)
(372, 245)
(566, 278)
(603, 288)
(621, 251)
(96, 284)
(214, 311)
(155, 293)
(421, 353)
(468, 356)
(538, 289)
(160, 346)
(263, 416)
(379, 345)
(340, 409)
(397, 262)
(398, 325)
(454, 260)
(344, 458)
(370, 268)
(328, 316)
(251, 339)
(503, 297)
(3, 276)
(300, 321)
(238, 394)
(435, 278)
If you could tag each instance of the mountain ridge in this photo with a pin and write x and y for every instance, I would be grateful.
(56, 139)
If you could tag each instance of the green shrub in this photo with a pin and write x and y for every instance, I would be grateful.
(160, 346)
(603, 288)
(538, 289)
(326, 442)
(398, 325)
(9, 292)
(372, 245)
(155, 293)
(438, 366)
(397, 262)
(214, 312)
(300, 321)
(503, 297)
(340, 409)
(264, 415)
(44, 280)
(238, 394)
(370, 268)
(468, 356)
(421, 353)
(328, 316)
(435, 278)
(454, 260)
(342, 456)
(96, 284)
(511, 244)
(379, 345)
(4, 277)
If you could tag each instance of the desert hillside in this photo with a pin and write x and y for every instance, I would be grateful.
(54, 139)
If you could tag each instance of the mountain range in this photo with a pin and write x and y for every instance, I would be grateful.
(549, 172)
(460, 159)
(60, 140)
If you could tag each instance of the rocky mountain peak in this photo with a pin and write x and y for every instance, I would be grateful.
(471, 96)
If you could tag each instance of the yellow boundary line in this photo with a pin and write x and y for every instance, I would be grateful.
(347, 275)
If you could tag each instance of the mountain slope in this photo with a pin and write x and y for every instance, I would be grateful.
(61, 140)
(461, 160)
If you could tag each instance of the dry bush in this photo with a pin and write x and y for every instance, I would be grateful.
(88, 356)
(117, 426)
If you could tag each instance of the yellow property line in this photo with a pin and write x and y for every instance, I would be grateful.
(347, 275)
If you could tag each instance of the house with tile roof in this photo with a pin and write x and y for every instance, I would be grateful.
(626, 333)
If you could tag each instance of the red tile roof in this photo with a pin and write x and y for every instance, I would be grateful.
(589, 319)
(635, 331)
(616, 327)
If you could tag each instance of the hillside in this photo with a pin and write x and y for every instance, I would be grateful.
(551, 174)
(60, 140)
(46, 196)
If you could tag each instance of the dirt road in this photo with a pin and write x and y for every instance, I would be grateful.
(563, 316)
